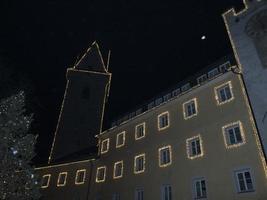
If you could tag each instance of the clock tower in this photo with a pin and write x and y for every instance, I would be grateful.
(82, 109)
(247, 31)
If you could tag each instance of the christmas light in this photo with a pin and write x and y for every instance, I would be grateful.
(188, 147)
(59, 183)
(77, 181)
(47, 178)
(136, 170)
(185, 104)
(166, 113)
(143, 125)
(99, 169)
(119, 135)
(105, 146)
(229, 83)
(159, 156)
(116, 164)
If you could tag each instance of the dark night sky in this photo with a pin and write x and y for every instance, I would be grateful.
(154, 45)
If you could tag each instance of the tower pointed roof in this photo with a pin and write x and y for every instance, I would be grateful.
(92, 60)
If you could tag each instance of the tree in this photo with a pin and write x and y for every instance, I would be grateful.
(17, 178)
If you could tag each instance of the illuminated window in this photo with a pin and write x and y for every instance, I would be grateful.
(118, 170)
(140, 131)
(100, 174)
(233, 134)
(200, 189)
(45, 180)
(105, 146)
(244, 181)
(139, 164)
(62, 178)
(120, 141)
(165, 156)
(139, 194)
(166, 192)
(224, 93)
(194, 147)
(163, 121)
(116, 196)
(80, 176)
(190, 108)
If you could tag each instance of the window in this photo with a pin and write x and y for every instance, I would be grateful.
(190, 108)
(140, 131)
(163, 120)
(116, 196)
(139, 194)
(62, 177)
(185, 87)
(213, 73)
(45, 180)
(244, 181)
(200, 188)
(233, 134)
(194, 147)
(139, 164)
(167, 97)
(80, 176)
(224, 67)
(223, 93)
(176, 92)
(105, 146)
(158, 101)
(202, 78)
(166, 192)
(118, 169)
(100, 174)
(165, 156)
(120, 141)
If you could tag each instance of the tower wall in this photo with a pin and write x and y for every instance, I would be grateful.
(250, 47)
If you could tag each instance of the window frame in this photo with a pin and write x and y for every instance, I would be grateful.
(226, 134)
(136, 131)
(189, 147)
(97, 180)
(114, 169)
(123, 139)
(170, 156)
(143, 155)
(168, 119)
(65, 179)
(189, 103)
(77, 175)
(107, 140)
(170, 192)
(136, 193)
(48, 181)
(194, 187)
(237, 182)
(201, 79)
(217, 92)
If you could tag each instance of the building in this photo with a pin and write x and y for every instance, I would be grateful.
(204, 139)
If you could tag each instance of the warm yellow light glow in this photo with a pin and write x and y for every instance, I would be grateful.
(48, 180)
(116, 164)
(105, 146)
(185, 104)
(159, 155)
(137, 129)
(99, 169)
(188, 147)
(229, 83)
(168, 120)
(64, 174)
(78, 182)
(136, 171)
(119, 135)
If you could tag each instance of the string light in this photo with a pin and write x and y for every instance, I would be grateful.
(59, 183)
(188, 147)
(77, 181)
(119, 135)
(159, 156)
(116, 164)
(105, 146)
(185, 104)
(98, 171)
(136, 170)
(229, 83)
(47, 178)
(164, 114)
(137, 128)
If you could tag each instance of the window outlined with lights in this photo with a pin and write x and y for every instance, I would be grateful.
(139, 163)
(80, 176)
(194, 147)
(233, 134)
(224, 93)
(190, 108)
(62, 179)
(105, 146)
(118, 170)
(100, 174)
(165, 156)
(163, 120)
(140, 131)
(45, 181)
(120, 139)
